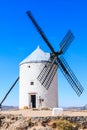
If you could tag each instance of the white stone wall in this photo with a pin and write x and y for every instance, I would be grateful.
(29, 73)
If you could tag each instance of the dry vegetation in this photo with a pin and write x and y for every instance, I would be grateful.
(41, 120)
(63, 125)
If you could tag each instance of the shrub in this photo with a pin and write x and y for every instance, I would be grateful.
(63, 125)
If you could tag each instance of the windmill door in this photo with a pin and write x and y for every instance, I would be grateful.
(33, 101)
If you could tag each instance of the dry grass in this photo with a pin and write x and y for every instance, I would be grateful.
(62, 125)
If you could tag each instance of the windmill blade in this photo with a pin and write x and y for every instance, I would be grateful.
(43, 73)
(47, 82)
(40, 31)
(48, 72)
(9, 91)
(65, 43)
(70, 76)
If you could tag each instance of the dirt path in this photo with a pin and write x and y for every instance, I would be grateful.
(43, 113)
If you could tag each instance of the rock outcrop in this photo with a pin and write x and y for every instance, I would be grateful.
(19, 122)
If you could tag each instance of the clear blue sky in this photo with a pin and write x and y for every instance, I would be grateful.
(18, 38)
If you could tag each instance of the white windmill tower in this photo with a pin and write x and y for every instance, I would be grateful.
(31, 92)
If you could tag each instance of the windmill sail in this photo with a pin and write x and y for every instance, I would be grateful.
(67, 40)
(47, 74)
(50, 76)
(43, 73)
(70, 76)
(9, 91)
(40, 31)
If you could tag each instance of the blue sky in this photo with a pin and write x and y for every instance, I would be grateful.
(18, 38)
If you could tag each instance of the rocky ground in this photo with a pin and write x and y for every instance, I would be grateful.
(42, 120)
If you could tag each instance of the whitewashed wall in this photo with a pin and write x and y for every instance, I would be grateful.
(29, 73)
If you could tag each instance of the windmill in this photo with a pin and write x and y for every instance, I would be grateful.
(57, 60)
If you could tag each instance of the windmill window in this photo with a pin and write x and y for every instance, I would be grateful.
(31, 83)
(29, 66)
(45, 66)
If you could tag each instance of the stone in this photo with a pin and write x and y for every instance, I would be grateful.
(57, 111)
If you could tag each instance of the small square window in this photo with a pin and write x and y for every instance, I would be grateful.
(31, 83)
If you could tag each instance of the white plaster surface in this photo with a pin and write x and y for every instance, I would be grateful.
(29, 72)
